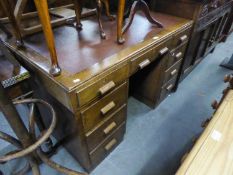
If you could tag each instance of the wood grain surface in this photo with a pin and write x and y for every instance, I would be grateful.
(213, 153)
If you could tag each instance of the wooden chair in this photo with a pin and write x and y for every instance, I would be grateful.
(43, 13)
(27, 141)
(139, 5)
(60, 15)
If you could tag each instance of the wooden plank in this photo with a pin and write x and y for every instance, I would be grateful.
(213, 152)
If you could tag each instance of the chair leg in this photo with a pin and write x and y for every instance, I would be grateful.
(120, 18)
(8, 10)
(106, 4)
(99, 10)
(43, 12)
(78, 11)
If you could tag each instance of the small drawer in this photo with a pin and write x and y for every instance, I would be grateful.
(103, 86)
(181, 38)
(176, 55)
(108, 145)
(167, 88)
(101, 132)
(172, 71)
(102, 109)
(144, 60)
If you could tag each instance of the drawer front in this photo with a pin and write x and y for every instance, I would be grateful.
(176, 55)
(167, 88)
(107, 146)
(144, 60)
(181, 38)
(103, 86)
(104, 108)
(172, 72)
(96, 136)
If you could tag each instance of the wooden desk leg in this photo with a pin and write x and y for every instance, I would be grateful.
(99, 11)
(120, 17)
(43, 12)
(8, 10)
(78, 11)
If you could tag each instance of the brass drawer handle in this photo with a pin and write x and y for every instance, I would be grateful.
(178, 55)
(109, 128)
(110, 145)
(106, 88)
(170, 87)
(144, 63)
(183, 38)
(108, 108)
(163, 51)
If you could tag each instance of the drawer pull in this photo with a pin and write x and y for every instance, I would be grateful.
(183, 38)
(163, 51)
(144, 63)
(179, 55)
(170, 87)
(174, 72)
(110, 128)
(110, 145)
(106, 88)
(108, 108)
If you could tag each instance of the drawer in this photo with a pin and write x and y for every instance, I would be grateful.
(145, 59)
(107, 146)
(106, 128)
(176, 55)
(104, 108)
(167, 88)
(181, 38)
(172, 72)
(102, 86)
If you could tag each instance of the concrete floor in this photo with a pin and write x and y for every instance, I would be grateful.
(155, 140)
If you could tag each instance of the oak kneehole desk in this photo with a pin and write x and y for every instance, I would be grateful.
(90, 96)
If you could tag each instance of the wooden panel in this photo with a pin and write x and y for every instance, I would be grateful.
(213, 153)
(104, 108)
(107, 146)
(103, 86)
(106, 128)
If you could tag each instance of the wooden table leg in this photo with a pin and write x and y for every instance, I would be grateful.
(120, 17)
(43, 12)
(78, 11)
(8, 10)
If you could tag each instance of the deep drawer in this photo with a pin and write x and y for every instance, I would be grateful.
(144, 60)
(104, 108)
(172, 71)
(167, 88)
(106, 128)
(102, 86)
(181, 38)
(107, 146)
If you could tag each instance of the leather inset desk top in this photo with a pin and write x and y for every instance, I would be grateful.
(80, 50)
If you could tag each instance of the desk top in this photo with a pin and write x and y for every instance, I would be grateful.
(213, 153)
(82, 55)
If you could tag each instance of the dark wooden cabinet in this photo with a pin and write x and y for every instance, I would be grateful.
(210, 21)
